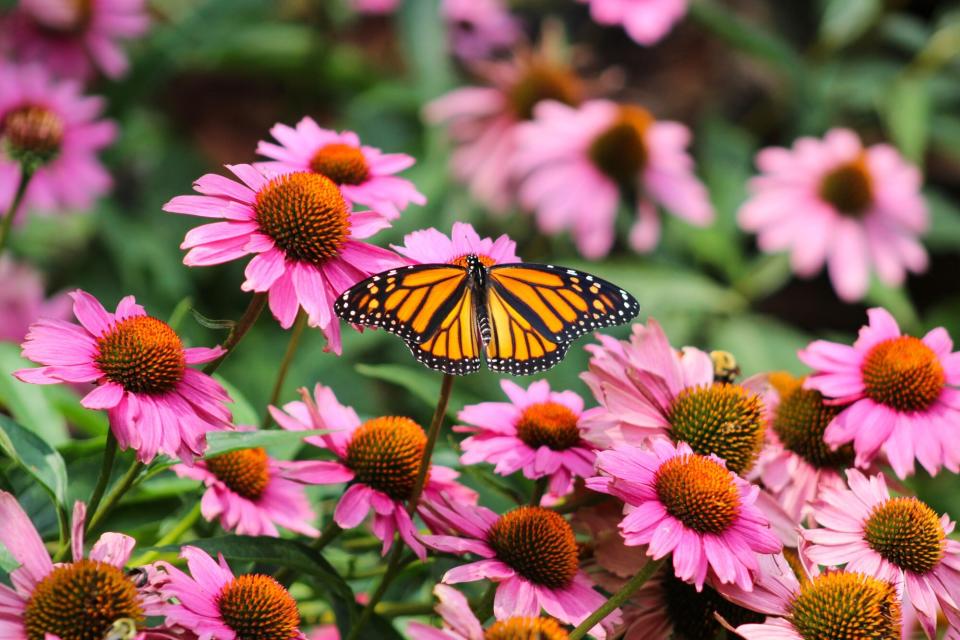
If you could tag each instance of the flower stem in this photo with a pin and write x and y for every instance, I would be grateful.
(298, 326)
(249, 318)
(539, 488)
(484, 608)
(171, 537)
(617, 599)
(7, 223)
(393, 568)
(106, 469)
(126, 483)
(328, 535)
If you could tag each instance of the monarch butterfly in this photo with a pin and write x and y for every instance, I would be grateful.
(522, 316)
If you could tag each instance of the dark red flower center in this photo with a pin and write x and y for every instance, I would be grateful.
(526, 629)
(305, 215)
(907, 533)
(245, 472)
(81, 601)
(620, 151)
(142, 354)
(31, 133)
(693, 614)
(849, 188)
(342, 163)
(699, 492)
(846, 606)
(70, 18)
(800, 421)
(548, 424)
(538, 544)
(257, 607)
(386, 453)
(903, 373)
(541, 80)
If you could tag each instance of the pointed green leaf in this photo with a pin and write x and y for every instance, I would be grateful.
(36, 457)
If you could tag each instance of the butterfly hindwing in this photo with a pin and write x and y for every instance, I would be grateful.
(517, 346)
(455, 346)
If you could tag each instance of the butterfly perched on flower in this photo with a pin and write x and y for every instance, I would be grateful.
(521, 317)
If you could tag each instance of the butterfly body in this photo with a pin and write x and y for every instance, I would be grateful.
(520, 317)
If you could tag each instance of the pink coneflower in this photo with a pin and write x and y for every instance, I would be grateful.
(155, 402)
(379, 458)
(835, 604)
(460, 623)
(478, 28)
(689, 505)
(75, 37)
(833, 201)
(537, 432)
(482, 121)
(324, 632)
(216, 605)
(364, 174)
(69, 600)
(647, 389)
(303, 232)
(533, 555)
(577, 163)
(375, 7)
(898, 540)
(22, 300)
(429, 246)
(52, 126)
(252, 494)
(903, 394)
(796, 464)
(646, 21)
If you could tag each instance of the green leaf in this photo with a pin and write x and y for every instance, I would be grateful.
(844, 21)
(7, 562)
(759, 343)
(751, 38)
(945, 222)
(421, 383)
(36, 457)
(907, 113)
(29, 404)
(225, 441)
(243, 412)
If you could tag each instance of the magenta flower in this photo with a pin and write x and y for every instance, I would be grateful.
(305, 237)
(482, 121)
(68, 600)
(833, 201)
(460, 623)
(429, 246)
(364, 174)
(380, 458)
(537, 432)
(688, 505)
(901, 390)
(646, 21)
(22, 300)
(898, 540)
(216, 605)
(533, 555)
(252, 494)
(479, 28)
(52, 125)
(575, 163)
(74, 38)
(155, 402)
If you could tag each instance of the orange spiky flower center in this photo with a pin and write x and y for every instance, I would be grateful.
(257, 607)
(538, 544)
(849, 188)
(81, 601)
(800, 420)
(620, 151)
(305, 215)
(903, 373)
(31, 134)
(142, 354)
(846, 606)
(342, 163)
(907, 533)
(699, 492)
(385, 454)
(522, 628)
(548, 424)
(245, 472)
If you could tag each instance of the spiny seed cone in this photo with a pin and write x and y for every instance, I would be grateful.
(305, 215)
(693, 614)
(257, 607)
(538, 544)
(548, 424)
(621, 150)
(385, 454)
(80, 601)
(801, 419)
(699, 492)
(543, 81)
(846, 606)
(245, 472)
(903, 373)
(32, 134)
(907, 533)
(143, 355)
(526, 629)
(725, 420)
(342, 163)
(849, 188)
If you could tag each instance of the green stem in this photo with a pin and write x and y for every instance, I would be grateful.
(106, 469)
(7, 223)
(113, 498)
(249, 318)
(328, 535)
(539, 488)
(484, 608)
(617, 599)
(298, 326)
(393, 568)
(397, 609)
(171, 537)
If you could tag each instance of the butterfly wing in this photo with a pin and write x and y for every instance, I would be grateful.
(517, 346)
(430, 306)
